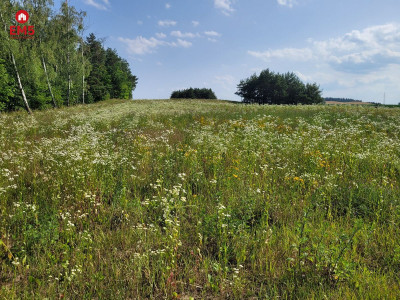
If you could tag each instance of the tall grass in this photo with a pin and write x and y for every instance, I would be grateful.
(200, 199)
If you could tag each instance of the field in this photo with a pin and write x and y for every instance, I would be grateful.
(200, 200)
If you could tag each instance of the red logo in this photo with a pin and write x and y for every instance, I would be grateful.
(22, 32)
(22, 16)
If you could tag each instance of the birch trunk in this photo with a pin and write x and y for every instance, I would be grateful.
(83, 78)
(68, 57)
(16, 72)
(48, 82)
(20, 84)
(69, 87)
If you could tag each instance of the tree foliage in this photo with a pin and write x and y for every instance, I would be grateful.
(274, 88)
(58, 66)
(6, 88)
(193, 93)
(341, 99)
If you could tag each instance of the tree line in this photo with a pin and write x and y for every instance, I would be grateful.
(275, 88)
(58, 66)
(341, 99)
(193, 93)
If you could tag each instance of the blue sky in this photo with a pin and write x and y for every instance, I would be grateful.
(351, 48)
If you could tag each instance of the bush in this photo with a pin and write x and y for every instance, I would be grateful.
(193, 93)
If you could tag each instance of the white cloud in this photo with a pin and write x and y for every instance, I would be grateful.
(141, 45)
(166, 23)
(286, 53)
(225, 6)
(161, 35)
(139, 22)
(180, 34)
(371, 48)
(184, 44)
(212, 40)
(195, 23)
(212, 33)
(357, 51)
(288, 3)
(98, 5)
(167, 5)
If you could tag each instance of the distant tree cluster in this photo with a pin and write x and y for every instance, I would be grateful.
(341, 99)
(58, 66)
(275, 88)
(193, 93)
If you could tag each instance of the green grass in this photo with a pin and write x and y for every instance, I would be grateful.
(200, 200)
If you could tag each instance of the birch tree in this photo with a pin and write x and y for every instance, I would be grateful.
(7, 9)
(40, 15)
(59, 66)
(70, 24)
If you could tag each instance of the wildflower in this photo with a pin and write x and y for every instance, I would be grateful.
(16, 262)
(298, 179)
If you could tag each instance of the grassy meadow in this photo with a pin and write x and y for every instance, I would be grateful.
(200, 200)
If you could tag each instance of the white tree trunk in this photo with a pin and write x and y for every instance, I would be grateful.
(68, 57)
(16, 71)
(69, 87)
(83, 77)
(20, 84)
(48, 82)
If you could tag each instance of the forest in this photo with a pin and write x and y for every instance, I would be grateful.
(57, 65)
(341, 99)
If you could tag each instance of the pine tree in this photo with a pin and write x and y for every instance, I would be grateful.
(99, 82)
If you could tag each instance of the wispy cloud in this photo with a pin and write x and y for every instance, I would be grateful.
(212, 33)
(180, 34)
(225, 6)
(167, 5)
(302, 54)
(167, 23)
(184, 44)
(288, 3)
(102, 6)
(161, 35)
(195, 23)
(141, 45)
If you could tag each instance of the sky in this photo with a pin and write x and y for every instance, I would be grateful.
(350, 48)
